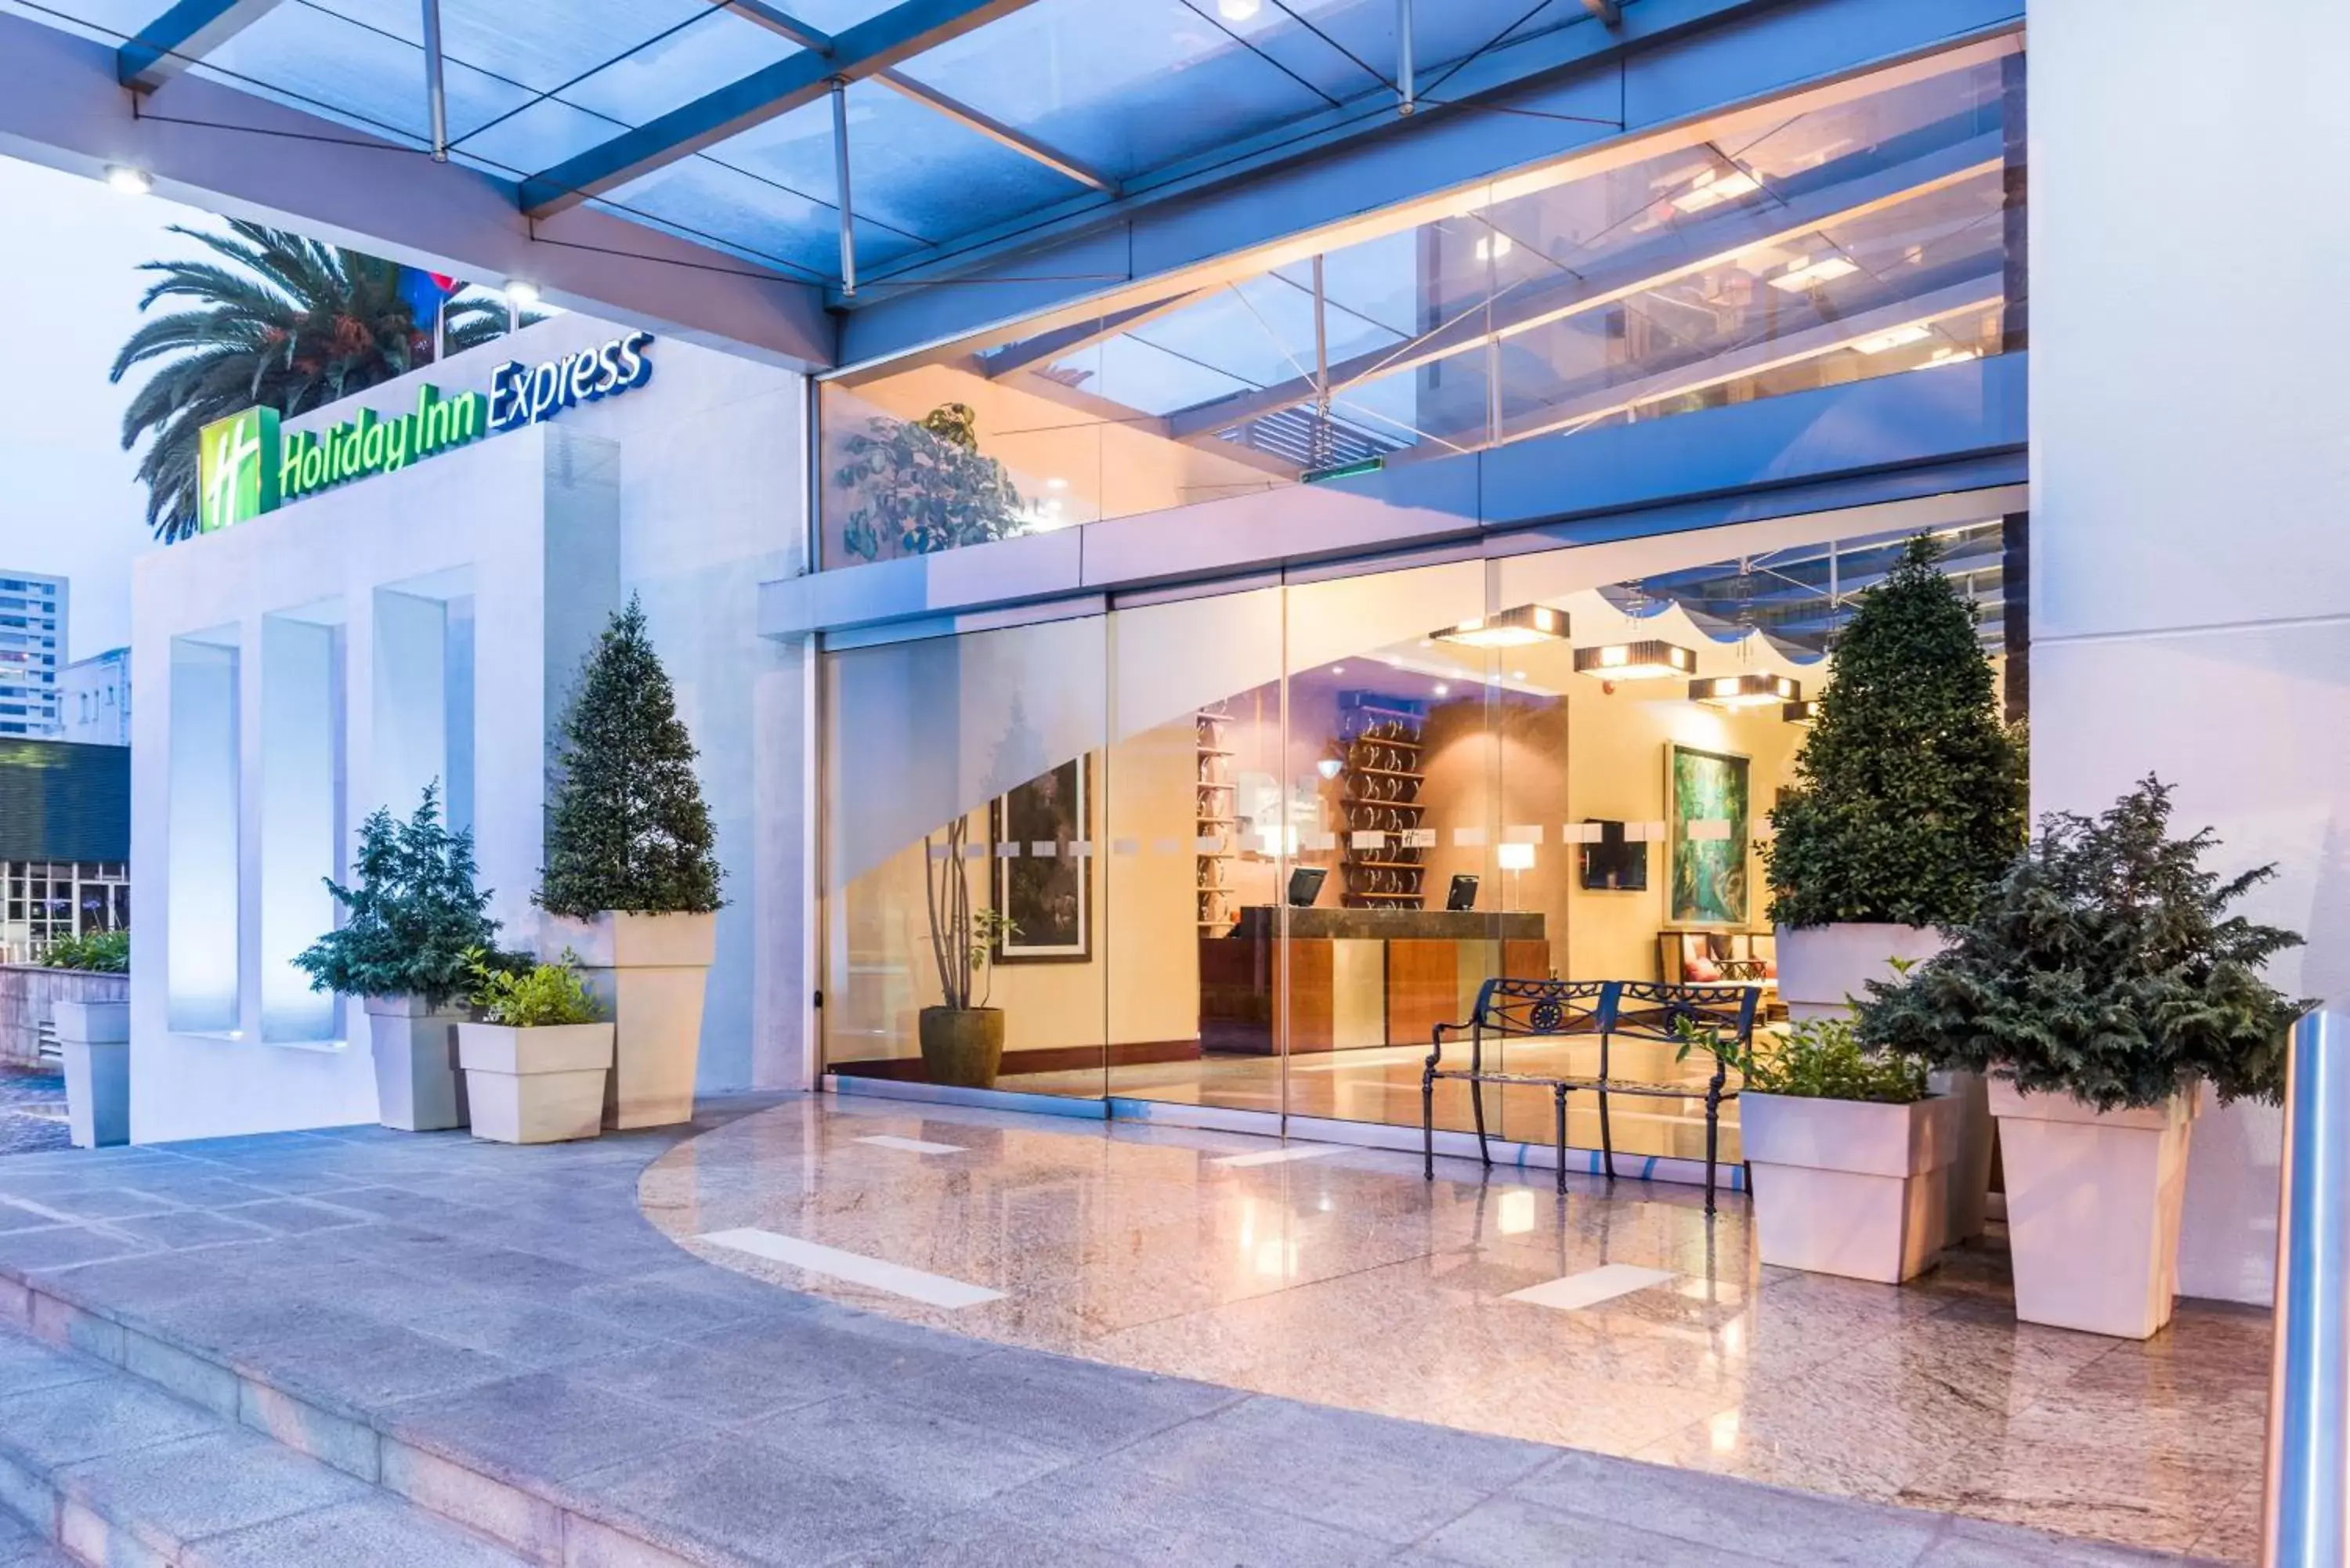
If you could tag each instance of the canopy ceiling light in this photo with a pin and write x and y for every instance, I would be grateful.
(129, 181)
(1899, 338)
(1802, 273)
(1649, 660)
(1712, 187)
(1752, 689)
(1801, 712)
(1510, 628)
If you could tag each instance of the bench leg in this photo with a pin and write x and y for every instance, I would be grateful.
(1561, 1093)
(1477, 1106)
(1606, 1139)
(1428, 1124)
(1712, 1142)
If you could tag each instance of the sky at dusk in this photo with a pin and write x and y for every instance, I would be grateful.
(69, 291)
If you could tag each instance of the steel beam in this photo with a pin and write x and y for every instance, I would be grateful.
(1609, 12)
(180, 37)
(244, 156)
(866, 49)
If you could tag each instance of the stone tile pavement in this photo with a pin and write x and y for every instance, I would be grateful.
(32, 1111)
(496, 1336)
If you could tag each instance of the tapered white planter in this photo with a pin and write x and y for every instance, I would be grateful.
(536, 1086)
(649, 973)
(96, 1039)
(1970, 1169)
(1820, 966)
(2093, 1205)
(417, 1087)
(1844, 1187)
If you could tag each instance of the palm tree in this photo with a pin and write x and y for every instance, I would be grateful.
(291, 323)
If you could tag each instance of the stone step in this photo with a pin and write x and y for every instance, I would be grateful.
(100, 1467)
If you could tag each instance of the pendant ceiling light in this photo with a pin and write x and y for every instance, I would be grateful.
(1510, 628)
(1649, 660)
(1755, 690)
(1800, 712)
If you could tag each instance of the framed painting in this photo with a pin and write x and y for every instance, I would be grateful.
(1706, 834)
(1042, 885)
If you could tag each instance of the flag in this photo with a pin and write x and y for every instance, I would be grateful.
(425, 292)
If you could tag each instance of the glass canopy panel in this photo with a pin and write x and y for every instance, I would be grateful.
(1122, 87)
(548, 44)
(536, 137)
(1135, 373)
(348, 70)
(757, 218)
(911, 169)
(105, 21)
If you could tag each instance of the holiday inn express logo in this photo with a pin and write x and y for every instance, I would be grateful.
(245, 468)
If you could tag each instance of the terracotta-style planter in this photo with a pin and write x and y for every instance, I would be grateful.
(963, 1045)
(417, 1087)
(1846, 1186)
(649, 973)
(536, 1086)
(2093, 1206)
(95, 1038)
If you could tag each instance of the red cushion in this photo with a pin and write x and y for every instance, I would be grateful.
(1700, 971)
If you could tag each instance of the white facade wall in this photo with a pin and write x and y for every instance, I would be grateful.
(94, 699)
(430, 623)
(2190, 480)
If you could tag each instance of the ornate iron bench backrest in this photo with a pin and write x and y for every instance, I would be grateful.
(1651, 1010)
(1541, 1006)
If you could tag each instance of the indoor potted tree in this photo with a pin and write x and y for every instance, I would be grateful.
(962, 1038)
(537, 1056)
(631, 877)
(923, 486)
(1848, 1149)
(1907, 803)
(94, 1037)
(410, 924)
(2100, 985)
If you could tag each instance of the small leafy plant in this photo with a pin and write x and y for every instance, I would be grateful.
(963, 940)
(528, 995)
(98, 952)
(414, 918)
(1816, 1059)
(2104, 966)
(924, 486)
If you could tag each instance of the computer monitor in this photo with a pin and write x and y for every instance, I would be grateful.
(1305, 885)
(1463, 893)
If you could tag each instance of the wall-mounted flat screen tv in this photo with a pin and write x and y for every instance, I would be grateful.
(1615, 864)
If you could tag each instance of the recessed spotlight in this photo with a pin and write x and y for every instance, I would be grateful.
(521, 292)
(1057, 484)
(1517, 675)
(129, 180)
(1493, 247)
(1337, 670)
(1442, 689)
(1238, 10)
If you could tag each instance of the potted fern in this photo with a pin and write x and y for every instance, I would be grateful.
(537, 1057)
(1848, 1149)
(2100, 986)
(1907, 803)
(411, 921)
(962, 1037)
(630, 885)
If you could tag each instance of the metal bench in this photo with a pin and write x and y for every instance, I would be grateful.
(1633, 1009)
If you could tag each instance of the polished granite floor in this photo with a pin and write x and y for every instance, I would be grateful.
(1337, 1276)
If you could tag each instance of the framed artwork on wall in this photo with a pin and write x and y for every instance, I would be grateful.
(1044, 886)
(1706, 834)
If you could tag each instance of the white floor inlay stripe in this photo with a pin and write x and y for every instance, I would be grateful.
(933, 1290)
(910, 1145)
(1591, 1287)
(1275, 1155)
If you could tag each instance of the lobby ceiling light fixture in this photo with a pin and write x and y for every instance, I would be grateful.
(1712, 187)
(1899, 338)
(1649, 660)
(1494, 246)
(1951, 356)
(129, 182)
(1801, 712)
(1517, 627)
(1802, 273)
(1752, 689)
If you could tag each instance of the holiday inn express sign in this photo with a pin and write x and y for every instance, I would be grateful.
(243, 467)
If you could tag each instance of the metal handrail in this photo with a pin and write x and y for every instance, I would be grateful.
(2307, 1513)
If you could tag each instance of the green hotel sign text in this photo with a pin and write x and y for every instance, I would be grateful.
(245, 467)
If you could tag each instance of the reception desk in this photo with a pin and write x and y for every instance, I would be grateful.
(1356, 978)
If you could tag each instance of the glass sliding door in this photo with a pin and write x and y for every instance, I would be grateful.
(964, 780)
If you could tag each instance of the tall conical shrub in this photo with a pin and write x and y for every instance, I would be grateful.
(1909, 799)
(627, 829)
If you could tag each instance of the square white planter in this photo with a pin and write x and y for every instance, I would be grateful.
(649, 971)
(1820, 966)
(536, 1086)
(417, 1088)
(96, 1039)
(2093, 1205)
(1844, 1187)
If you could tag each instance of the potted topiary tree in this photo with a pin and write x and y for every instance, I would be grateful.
(1907, 803)
(537, 1058)
(631, 877)
(1848, 1149)
(2100, 985)
(410, 926)
(962, 1037)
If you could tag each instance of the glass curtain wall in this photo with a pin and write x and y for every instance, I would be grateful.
(1254, 845)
